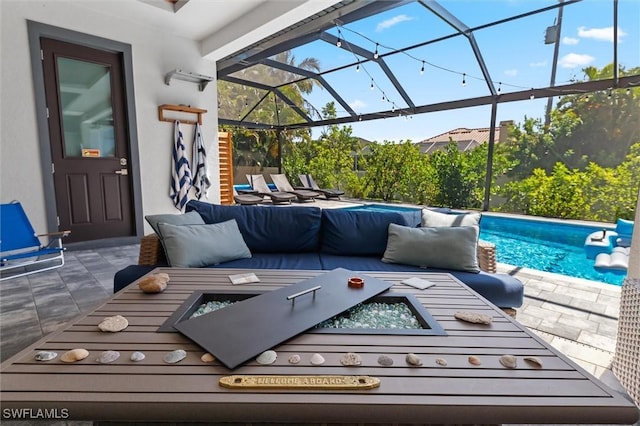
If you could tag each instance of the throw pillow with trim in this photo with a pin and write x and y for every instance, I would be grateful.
(451, 247)
(431, 218)
(197, 246)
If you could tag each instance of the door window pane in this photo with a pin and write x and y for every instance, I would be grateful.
(87, 114)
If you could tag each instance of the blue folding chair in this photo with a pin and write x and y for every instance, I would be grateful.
(20, 247)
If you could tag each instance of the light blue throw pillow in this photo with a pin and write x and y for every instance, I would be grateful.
(190, 218)
(449, 247)
(197, 246)
(433, 219)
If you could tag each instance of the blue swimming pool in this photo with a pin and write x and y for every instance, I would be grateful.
(537, 244)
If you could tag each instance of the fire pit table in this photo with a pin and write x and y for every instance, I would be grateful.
(452, 376)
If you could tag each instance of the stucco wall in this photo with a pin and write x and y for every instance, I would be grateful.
(155, 53)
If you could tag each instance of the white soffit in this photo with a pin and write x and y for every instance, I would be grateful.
(260, 22)
(193, 19)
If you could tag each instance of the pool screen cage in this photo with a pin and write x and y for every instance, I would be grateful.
(284, 81)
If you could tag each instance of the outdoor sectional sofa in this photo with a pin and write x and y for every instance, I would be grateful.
(299, 237)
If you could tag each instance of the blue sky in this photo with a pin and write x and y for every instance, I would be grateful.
(515, 55)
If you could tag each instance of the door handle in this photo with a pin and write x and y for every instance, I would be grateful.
(123, 172)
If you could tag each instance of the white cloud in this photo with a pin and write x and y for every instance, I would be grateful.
(538, 64)
(570, 41)
(574, 60)
(511, 73)
(357, 104)
(601, 34)
(393, 21)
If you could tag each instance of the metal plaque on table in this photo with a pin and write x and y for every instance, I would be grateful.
(247, 328)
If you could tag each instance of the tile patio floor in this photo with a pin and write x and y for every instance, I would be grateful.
(578, 317)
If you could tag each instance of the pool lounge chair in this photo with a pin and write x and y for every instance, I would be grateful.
(258, 183)
(20, 247)
(282, 183)
(247, 199)
(309, 183)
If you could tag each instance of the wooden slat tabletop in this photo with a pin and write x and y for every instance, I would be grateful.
(151, 390)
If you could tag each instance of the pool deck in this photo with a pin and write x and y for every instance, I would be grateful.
(577, 316)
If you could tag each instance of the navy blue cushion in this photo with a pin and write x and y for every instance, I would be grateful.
(268, 229)
(500, 289)
(275, 261)
(358, 232)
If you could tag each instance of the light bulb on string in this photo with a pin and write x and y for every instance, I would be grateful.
(532, 96)
(499, 86)
(376, 55)
(422, 69)
(464, 79)
(358, 67)
(371, 84)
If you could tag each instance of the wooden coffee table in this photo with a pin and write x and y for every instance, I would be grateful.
(151, 390)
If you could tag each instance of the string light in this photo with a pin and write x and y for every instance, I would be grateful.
(372, 86)
(339, 43)
(464, 79)
(532, 96)
(424, 62)
(358, 67)
(499, 86)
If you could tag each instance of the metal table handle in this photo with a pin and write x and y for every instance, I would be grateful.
(292, 297)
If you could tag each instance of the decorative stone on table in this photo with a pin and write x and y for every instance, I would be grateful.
(113, 324)
(385, 360)
(154, 283)
(267, 357)
(351, 359)
(413, 359)
(137, 356)
(107, 357)
(474, 360)
(207, 357)
(74, 355)
(508, 361)
(317, 359)
(175, 356)
(45, 356)
(473, 317)
(294, 359)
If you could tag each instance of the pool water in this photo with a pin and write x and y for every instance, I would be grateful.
(544, 246)
(535, 244)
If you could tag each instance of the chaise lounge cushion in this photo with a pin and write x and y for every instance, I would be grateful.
(268, 229)
(360, 233)
(448, 247)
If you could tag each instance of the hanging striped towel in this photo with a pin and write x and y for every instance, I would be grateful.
(180, 171)
(201, 180)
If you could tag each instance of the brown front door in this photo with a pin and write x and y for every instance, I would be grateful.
(89, 140)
